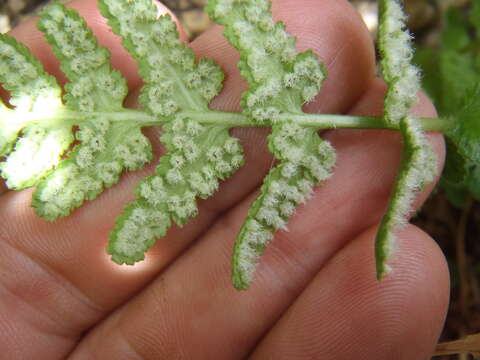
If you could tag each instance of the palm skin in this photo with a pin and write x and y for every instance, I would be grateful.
(315, 295)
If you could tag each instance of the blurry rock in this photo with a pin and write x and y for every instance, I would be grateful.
(195, 21)
(17, 6)
(183, 4)
(421, 13)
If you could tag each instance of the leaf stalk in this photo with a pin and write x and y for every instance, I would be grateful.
(230, 119)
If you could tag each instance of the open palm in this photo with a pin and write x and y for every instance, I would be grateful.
(315, 295)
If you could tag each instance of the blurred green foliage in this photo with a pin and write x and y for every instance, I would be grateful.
(451, 77)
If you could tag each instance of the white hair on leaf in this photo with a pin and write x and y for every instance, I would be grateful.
(419, 160)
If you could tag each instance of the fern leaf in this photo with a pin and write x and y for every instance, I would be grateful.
(280, 82)
(107, 148)
(93, 85)
(419, 163)
(306, 160)
(109, 142)
(176, 87)
(165, 62)
(32, 91)
(199, 155)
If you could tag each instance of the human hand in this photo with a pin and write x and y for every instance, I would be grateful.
(315, 294)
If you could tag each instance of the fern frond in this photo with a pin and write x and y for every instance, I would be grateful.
(165, 62)
(280, 82)
(23, 75)
(419, 163)
(37, 128)
(280, 79)
(93, 84)
(200, 155)
(32, 90)
(305, 160)
(107, 148)
(108, 142)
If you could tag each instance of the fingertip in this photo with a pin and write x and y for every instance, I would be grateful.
(421, 264)
(421, 279)
(411, 302)
(345, 313)
(424, 106)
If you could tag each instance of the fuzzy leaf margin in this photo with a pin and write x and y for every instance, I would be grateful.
(281, 80)
(108, 142)
(419, 162)
(199, 156)
(32, 90)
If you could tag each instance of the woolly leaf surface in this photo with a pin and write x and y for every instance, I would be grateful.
(419, 163)
(23, 75)
(32, 91)
(395, 46)
(167, 65)
(8, 130)
(36, 153)
(176, 86)
(106, 149)
(281, 81)
(108, 141)
(199, 156)
(93, 84)
(418, 169)
(305, 160)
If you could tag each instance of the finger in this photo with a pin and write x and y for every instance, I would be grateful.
(206, 307)
(345, 313)
(73, 249)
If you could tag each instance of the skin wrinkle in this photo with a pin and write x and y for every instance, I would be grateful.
(220, 224)
(332, 62)
(133, 350)
(359, 293)
(60, 281)
(45, 329)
